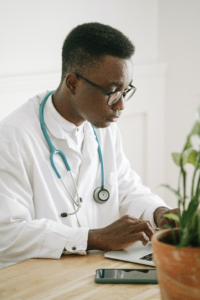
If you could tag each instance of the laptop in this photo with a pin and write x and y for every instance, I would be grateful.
(137, 253)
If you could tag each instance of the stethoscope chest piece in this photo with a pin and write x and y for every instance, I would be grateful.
(101, 195)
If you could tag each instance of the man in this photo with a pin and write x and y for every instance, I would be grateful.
(43, 216)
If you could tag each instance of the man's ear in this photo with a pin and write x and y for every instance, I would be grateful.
(71, 82)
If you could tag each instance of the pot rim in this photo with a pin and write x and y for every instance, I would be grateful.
(164, 232)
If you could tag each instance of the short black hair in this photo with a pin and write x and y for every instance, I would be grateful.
(89, 42)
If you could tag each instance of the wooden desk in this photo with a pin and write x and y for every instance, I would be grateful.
(71, 277)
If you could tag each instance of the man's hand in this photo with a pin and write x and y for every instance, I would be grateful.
(120, 234)
(160, 220)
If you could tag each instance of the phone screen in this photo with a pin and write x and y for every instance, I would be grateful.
(138, 274)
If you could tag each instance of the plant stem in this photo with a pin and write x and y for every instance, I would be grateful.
(180, 223)
(198, 187)
(179, 181)
(193, 180)
(184, 181)
(195, 171)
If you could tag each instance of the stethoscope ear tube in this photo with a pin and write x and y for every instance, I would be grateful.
(100, 195)
(100, 157)
(53, 150)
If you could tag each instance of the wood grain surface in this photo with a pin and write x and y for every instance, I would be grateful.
(71, 277)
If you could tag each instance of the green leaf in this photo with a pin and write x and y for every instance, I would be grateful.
(172, 190)
(172, 217)
(176, 158)
(185, 238)
(188, 156)
(187, 215)
(188, 143)
(193, 226)
(195, 129)
(192, 158)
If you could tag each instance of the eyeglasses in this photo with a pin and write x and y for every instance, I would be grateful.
(113, 97)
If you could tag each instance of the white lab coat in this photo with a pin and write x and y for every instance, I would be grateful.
(32, 198)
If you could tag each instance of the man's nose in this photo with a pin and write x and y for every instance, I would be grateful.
(119, 105)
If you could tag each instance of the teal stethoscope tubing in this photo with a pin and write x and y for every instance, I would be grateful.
(54, 151)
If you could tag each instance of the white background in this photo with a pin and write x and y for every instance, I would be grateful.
(32, 33)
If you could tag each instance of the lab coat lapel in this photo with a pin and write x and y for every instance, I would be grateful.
(89, 151)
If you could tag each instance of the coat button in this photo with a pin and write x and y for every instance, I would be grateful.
(63, 215)
(73, 248)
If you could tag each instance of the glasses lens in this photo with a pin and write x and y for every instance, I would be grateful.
(114, 97)
(126, 96)
(129, 94)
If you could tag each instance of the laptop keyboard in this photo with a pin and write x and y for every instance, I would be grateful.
(148, 257)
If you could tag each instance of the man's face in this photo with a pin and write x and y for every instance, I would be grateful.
(112, 74)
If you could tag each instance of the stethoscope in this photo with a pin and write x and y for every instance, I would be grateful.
(100, 195)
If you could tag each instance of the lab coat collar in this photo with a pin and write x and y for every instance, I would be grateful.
(53, 126)
(55, 122)
(56, 130)
(65, 124)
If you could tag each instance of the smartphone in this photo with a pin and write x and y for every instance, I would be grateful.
(126, 276)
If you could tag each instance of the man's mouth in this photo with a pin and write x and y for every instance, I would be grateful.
(112, 119)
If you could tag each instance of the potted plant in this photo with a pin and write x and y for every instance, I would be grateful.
(176, 252)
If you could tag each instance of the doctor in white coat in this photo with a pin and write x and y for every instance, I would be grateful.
(41, 215)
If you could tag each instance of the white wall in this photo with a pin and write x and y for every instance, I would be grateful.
(179, 46)
(30, 60)
(32, 32)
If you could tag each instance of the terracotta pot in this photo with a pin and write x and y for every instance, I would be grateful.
(178, 270)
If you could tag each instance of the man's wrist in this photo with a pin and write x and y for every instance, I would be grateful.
(157, 213)
(94, 239)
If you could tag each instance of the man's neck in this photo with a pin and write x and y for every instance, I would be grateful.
(64, 107)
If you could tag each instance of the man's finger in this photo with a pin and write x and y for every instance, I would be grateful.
(141, 236)
(144, 227)
(130, 218)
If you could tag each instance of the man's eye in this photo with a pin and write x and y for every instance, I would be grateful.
(126, 91)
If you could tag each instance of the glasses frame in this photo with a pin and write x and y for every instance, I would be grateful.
(123, 93)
